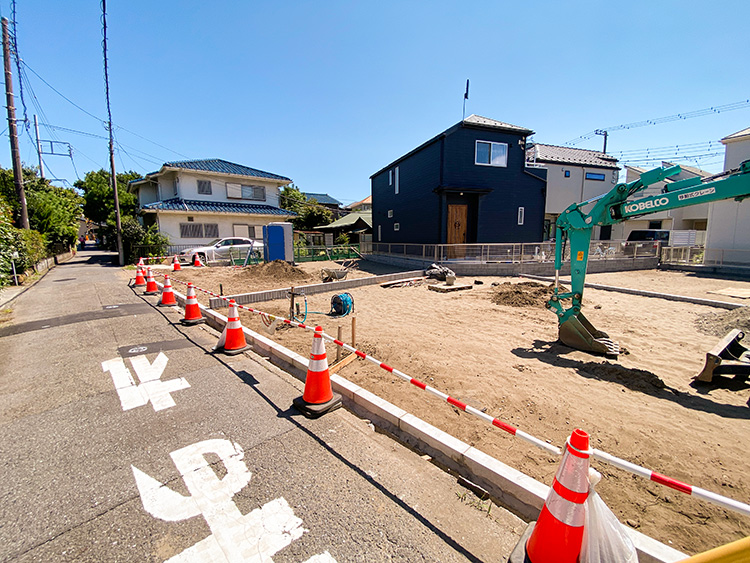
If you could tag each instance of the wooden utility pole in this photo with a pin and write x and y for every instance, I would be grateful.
(13, 130)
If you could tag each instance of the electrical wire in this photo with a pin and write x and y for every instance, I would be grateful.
(742, 104)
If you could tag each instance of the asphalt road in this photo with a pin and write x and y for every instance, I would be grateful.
(122, 438)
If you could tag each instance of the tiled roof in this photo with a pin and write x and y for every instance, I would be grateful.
(196, 206)
(323, 199)
(222, 167)
(569, 155)
(365, 201)
(487, 122)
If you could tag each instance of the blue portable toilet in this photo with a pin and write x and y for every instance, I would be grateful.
(278, 239)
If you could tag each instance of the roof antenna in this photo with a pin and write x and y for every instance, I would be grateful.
(466, 97)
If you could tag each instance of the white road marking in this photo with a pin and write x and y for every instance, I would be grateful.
(151, 387)
(254, 537)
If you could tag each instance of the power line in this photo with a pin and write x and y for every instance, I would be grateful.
(667, 119)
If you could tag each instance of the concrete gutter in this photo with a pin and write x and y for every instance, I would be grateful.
(520, 493)
(644, 293)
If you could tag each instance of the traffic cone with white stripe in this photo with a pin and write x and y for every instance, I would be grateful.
(232, 340)
(197, 261)
(140, 262)
(318, 397)
(176, 264)
(167, 295)
(151, 287)
(140, 281)
(557, 535)
(192, 309)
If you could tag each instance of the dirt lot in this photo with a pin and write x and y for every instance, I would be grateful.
(495, 348)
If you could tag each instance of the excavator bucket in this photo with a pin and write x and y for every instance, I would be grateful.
(727, 357)
(577, 332)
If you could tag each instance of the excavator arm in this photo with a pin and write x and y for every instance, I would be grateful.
(575, 225)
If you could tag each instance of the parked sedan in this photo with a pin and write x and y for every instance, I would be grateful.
(219, 249)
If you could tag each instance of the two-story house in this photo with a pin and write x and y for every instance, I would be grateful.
(195, 201)
(469, 184)
(573, 175)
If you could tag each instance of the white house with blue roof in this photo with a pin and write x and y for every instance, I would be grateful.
(196, 201)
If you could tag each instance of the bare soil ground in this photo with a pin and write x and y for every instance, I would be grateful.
(494, 347)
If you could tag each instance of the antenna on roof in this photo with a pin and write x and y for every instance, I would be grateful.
(466, 97)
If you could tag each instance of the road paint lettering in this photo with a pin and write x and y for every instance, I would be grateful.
(151, 388)
(254, 537)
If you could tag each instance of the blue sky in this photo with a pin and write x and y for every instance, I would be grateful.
(327, 93)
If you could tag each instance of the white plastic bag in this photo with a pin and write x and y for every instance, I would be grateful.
(604, 538)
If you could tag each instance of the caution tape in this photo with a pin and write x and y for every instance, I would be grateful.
(649, 474)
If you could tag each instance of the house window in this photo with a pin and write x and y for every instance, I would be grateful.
(595, 176)
(521, 213)
(255, 193)
(390, 177)
(396, 226)
(175, 186)
(390, 213)
(395, 180)
(491, 154)
(199, 230)
(567, 173)
(238, 191)
(379, 232)
(204, 187)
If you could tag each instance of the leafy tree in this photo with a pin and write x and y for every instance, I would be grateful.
(292, 199)
(9, 242)
(136, 240)
(342, 239)
(312, 215)
(99, 201)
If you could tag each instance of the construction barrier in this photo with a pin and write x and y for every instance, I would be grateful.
(653, 476)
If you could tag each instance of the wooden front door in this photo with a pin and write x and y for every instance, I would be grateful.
(456, 231)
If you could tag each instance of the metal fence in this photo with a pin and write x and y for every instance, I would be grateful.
(322, 253)
(698, 255)
(514, 252)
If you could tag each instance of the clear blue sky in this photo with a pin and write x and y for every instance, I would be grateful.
(327, 93)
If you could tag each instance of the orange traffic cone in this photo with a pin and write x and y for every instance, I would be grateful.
(232, 339)
(176, 264)
(318, 397)
(151, 287)
(558, 533)
(197, 261)
(167, 295)
(140, 281)
(192, 309)
(140, 262)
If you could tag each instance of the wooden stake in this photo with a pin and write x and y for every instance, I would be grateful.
(354, 332)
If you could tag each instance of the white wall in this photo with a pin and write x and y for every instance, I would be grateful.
(188, 188)
(729, 221)
(562, 191)
(169, 224)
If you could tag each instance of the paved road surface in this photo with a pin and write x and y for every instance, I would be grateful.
(123, 439)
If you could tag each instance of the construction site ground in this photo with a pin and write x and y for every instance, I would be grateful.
(495, 347)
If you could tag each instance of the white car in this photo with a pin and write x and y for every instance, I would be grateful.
(219, 249)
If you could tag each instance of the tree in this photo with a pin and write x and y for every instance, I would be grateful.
(99, 199)
(310, 213)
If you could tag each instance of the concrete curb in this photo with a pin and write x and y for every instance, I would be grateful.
(644, 293)
(522, 494)
(270, 295)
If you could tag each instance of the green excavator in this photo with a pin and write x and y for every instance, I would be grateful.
(575, 224)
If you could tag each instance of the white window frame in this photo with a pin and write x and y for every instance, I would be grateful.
(390, 213)
(396, 226)
(493, 144)
(395, 181)
(521, 215)
(390, 177)
(590, 176)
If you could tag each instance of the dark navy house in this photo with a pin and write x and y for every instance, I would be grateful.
(469, 184)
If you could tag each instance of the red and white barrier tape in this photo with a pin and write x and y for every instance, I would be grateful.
(708, 496)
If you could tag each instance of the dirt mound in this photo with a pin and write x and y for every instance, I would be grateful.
(718, 324)
(524, 294)
(276, 270)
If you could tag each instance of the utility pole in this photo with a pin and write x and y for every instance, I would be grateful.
(38, 147)
(13, 130)
(113, 176)
(602, 132)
